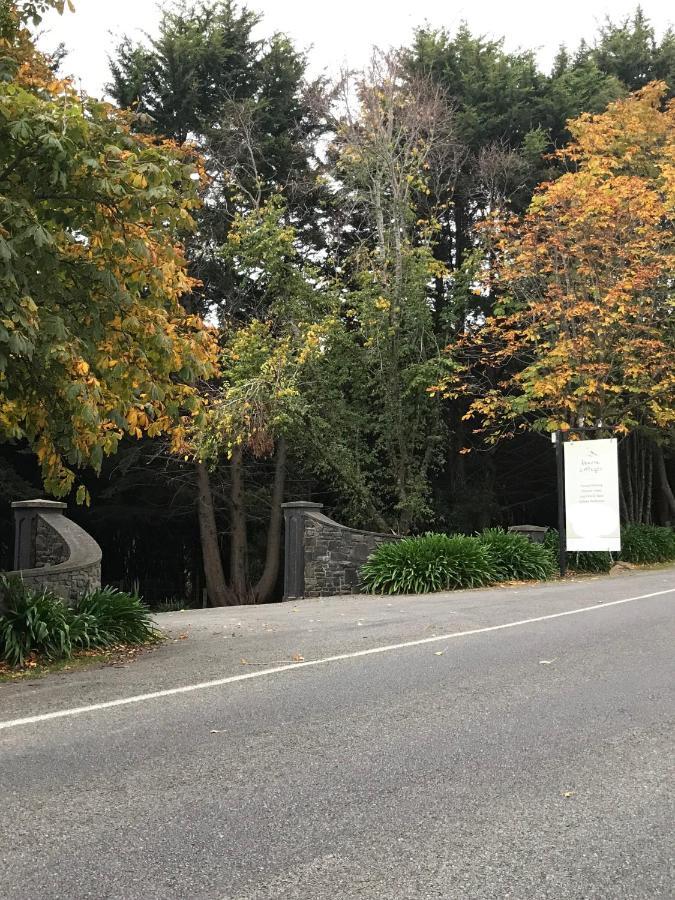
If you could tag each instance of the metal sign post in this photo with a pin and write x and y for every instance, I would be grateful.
(559, 438)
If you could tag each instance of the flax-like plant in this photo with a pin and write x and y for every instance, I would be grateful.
(640, 544)
(32, 622)
(39, 623)
(120, 618)
(590, 561)
(433, 562)
(647, 544)
(515, 558)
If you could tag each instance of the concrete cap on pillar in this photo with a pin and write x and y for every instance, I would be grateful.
(302, 504)
(39, 504)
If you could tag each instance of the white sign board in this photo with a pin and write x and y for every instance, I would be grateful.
(592, 495)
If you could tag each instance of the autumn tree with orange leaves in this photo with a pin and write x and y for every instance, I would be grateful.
(94, 342)
(583, 329)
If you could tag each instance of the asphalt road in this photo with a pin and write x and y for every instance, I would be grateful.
(524, 761)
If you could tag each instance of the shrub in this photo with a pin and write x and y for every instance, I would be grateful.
(40, 622)
(32, 622)
(640, 544)
(433, 562)
(647, 544)
(591, 561)
(120, 618)
(588, 561)
(515, 558)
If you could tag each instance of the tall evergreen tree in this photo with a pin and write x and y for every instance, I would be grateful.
(245, 103)
(630, 51)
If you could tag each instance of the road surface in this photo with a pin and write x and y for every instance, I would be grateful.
(512, 743)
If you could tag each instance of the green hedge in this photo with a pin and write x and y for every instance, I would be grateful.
(516, 558)
(647, 544)
(640, 544)
(441, 562)
(433, 562)
(39, 623)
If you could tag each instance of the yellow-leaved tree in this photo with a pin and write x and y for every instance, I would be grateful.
(94, 342)
(583, 330)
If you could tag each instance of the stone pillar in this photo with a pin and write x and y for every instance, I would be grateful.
(294, 546)
(26, 514)
(51, 552)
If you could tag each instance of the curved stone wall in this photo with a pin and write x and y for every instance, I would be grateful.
(323, 557)
(52, 552)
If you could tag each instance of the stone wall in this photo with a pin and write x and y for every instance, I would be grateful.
(69, 585)
(52, 552)
(323, 557)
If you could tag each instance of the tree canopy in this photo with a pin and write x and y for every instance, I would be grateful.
(337, 237)
(584, 326)
(94, 343)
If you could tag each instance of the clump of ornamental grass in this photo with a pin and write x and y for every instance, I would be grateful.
(515, 558)
(642, 544)
(588, 562)
(432, 562)
(32, 622)
(38, 623)
(120, 618)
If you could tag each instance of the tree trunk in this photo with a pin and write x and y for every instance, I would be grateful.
(267, 582)
(460, 233)
(622, 504)
(628, 479)
(665, 491)
(649, 483)
(637, 476)
(216, 586)
(238, 542)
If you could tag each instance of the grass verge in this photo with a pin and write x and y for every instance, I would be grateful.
(37, 667)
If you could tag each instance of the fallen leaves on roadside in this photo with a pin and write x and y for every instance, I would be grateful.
(116, 656)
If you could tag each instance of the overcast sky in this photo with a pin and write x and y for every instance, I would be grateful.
(342, 32)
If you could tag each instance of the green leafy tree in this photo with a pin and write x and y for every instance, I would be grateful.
(510, 117)
(204, 56)
(94, 343)
(583, 333)
(264, 393)
(383, 151)
(245, 104)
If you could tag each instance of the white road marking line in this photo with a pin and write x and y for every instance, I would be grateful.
(372, 651)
